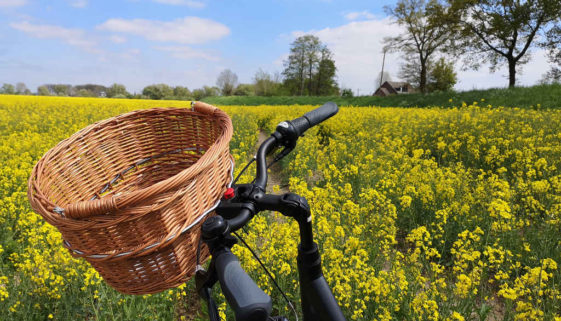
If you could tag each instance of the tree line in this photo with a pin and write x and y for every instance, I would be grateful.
(309, 70)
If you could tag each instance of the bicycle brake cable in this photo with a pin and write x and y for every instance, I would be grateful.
(243, 170)
(268, 274)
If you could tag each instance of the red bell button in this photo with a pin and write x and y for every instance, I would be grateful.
(229, 193)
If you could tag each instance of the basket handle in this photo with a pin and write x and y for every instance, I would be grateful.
(204, 108)
(90, 208)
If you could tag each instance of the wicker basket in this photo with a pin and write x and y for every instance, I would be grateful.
(129, 193)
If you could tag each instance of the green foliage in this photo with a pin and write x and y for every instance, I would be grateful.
(117, 90)
(204, 92)
(7, 89)
(84, 93)
(157, 92)
(547, 96)
(96, 90)
(181, 92)
(198, 94)
(442, 76)
(347, 93)
(43, 91)
(266, 84)
(62, 90)
(244, 90)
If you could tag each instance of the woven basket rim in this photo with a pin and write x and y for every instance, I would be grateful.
(169, 183)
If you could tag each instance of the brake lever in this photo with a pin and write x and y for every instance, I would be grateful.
(285, 151)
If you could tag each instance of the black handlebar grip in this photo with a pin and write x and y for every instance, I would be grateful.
(314, 117)
(247, 300)
(322, 113)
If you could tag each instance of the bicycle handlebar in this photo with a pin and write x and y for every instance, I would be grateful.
(247, 300)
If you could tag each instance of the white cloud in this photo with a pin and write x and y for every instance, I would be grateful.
(74, 37)
(79, 3)
(279, 62)
(117, 39)
(12, 3)
(357, 49)
(188, 30)
(188, 3)
(183, 52)
(359, 15)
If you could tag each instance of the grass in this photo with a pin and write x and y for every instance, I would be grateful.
(547, 96)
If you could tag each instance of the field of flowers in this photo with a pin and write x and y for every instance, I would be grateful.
(421, 214)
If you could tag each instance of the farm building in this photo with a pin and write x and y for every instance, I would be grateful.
(394, 88)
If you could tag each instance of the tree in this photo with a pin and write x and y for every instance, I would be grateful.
(206, 91)
(211, 91)
(410, 70)
(244, 90)
(7, 89)
(181, 92)
(117, 91)
(61, 90)
(84, 93)
(310, 68)
(552, 44)
(347, 93)
(158, 91)
(503, 31)
(324, 79)
(429, 26)
(442, 76)
(21, 89)
(96, 90)
(227, 81)
(43, 91)
(198, 94)
(265, 84)
(552, 76)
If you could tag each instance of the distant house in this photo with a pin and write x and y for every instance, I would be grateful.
(394, 88)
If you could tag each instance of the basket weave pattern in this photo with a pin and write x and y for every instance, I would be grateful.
(128, 193)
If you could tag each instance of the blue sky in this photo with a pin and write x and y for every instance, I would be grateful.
(188, 42)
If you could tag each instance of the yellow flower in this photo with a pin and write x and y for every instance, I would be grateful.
(406, 201)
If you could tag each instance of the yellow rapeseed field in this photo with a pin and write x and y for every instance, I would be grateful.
(421, 214)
